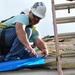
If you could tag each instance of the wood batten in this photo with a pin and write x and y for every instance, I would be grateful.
(64, 6)
(65, 20)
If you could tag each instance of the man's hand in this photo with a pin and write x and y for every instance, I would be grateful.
(32, 51)
(44, 52)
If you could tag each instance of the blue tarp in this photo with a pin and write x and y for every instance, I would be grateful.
(13, 65)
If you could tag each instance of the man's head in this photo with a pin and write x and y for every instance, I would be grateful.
(37, 12)
(39, 9)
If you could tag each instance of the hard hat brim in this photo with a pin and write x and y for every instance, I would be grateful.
(37, 14)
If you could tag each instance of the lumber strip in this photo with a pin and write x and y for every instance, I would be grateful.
(64, 6)
(65, 20)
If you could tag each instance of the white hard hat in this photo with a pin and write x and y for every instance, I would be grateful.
(39, 9)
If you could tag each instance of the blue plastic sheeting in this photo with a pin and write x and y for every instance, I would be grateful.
(13, 65)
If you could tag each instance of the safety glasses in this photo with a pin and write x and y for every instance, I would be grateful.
(35, 16)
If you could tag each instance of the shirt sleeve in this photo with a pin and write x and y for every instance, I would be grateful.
(34, 35)
(22, 18)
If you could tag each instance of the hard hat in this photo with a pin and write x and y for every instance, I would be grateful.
(39, 9)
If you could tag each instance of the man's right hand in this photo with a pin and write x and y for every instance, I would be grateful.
(32, 51)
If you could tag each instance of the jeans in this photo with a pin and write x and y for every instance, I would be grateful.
(17, 50)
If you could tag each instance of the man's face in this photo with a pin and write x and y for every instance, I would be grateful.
(34, 19)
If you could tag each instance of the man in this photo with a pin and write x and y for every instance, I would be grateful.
(19, 30)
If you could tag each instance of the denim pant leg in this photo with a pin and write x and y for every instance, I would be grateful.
(18, 50)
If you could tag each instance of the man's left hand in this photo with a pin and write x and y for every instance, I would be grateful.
(44, 52)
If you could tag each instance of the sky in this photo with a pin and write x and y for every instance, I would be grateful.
(10, 8)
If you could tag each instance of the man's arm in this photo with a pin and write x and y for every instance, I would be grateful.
(42, 46)
(22, 36)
